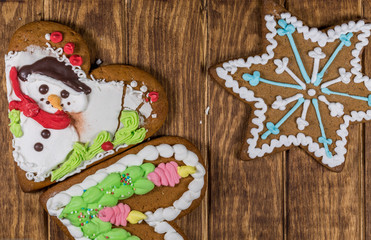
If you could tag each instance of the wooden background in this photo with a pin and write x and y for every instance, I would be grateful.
(284, 196)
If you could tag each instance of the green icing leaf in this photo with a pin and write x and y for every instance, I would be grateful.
(76, 204)
(96, 148)
(129, 134)
(124, 192)
(108, 200)
(73, 161)
(138, 136)
(143, 186)
(122, 136)
(135, 172)
(92, 195)
(76, 219)
(113, 179)
(94, 206)
(148, 168)
(15, 126)
(115, 234)
(130, 120)
(95, 227)
(15, 116)
(16, 129)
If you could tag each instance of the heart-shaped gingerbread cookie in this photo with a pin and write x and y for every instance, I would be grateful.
(135, 195)
(64, 119)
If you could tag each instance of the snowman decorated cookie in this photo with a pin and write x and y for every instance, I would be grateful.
(65, 119)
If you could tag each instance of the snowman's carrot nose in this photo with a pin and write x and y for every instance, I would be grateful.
(55, 101)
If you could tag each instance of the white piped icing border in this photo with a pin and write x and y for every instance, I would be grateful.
(158, 219)
(322, 39)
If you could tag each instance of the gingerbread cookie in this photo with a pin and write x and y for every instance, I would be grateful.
(304, 90)
(64, 119)
(135, 195)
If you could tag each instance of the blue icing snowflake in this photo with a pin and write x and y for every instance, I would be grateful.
(344, 36)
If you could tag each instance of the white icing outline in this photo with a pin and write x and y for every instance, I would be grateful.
(322, 39)
(158, 219)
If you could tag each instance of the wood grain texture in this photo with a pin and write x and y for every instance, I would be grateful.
(283, 196)
(22, 215)
(321, 204)
(247, 194)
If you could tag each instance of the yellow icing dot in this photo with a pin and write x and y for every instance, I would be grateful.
(184, 171)
(135, 216)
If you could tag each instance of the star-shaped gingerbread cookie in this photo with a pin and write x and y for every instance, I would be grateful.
(304, 90)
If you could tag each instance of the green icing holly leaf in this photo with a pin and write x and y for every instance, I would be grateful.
(138, 136)
(148, 168)
(123, 192)
(95, 227)
(113, 179)
(93, 194)
(115, 234)
(96, 147)
(108, 200)
(135, 172)
(15, 126)
(143, 186)
(76, 204)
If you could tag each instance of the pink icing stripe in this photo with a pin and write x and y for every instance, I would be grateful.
(165, 174)
(116, 215)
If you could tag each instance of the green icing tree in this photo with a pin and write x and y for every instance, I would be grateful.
(82, 211)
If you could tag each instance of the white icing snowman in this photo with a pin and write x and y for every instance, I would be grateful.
(43, 148)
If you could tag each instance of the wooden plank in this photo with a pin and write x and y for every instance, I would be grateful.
(103, 26)
(246, 197)
(22, 216)
(167, 39)
(322, 204)
(367, 133)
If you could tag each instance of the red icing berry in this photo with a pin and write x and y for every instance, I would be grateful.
(76, 60)
(56, 37)
(69, 48)
(153, 96)
(106, 146)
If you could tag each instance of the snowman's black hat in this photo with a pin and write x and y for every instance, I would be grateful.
(53, 68)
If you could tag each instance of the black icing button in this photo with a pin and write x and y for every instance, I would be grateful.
(38, 147)
(45, 133)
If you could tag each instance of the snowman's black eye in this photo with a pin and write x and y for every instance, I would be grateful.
(44, 89)
(65, 94)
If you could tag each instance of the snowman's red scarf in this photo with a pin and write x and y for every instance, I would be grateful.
(29, 107)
